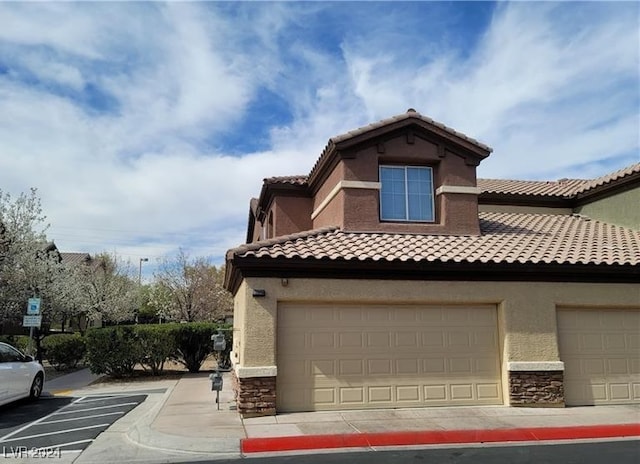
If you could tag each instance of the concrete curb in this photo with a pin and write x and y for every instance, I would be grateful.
(142, 434)
(432, 437)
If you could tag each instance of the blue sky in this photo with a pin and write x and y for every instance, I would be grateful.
(148, 126)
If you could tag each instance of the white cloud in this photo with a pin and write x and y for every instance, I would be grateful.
(526, 73)
(144, 170)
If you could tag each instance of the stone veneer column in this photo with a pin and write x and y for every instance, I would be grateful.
(536, 384)
(255, 396)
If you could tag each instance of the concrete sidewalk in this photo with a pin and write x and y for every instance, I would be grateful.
(69, 382)
(181, 421)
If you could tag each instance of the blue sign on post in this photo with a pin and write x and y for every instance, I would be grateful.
(33, 307)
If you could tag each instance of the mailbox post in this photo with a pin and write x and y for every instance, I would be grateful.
(219, 344)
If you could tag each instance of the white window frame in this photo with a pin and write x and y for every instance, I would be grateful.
(406, 193)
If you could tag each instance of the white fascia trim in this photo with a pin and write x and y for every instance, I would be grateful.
(535, 366)
(262, 371)
(458, 189)
(354, 184)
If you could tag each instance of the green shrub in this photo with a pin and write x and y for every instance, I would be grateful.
(113, 350)
(64, 351)
(157, 344)
(10, 339)
(19, 341)
(193, 343)
(116, 350)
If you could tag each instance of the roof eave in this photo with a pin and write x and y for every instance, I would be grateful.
(251, 266)
(610, 188)
(270, 190)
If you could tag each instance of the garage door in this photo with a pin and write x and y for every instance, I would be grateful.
(356, 357)
(601, 353)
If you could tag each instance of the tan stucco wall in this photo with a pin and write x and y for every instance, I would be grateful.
(622, 209)
(522, 209)
(239, 318)
(526, 310)
(257, 325)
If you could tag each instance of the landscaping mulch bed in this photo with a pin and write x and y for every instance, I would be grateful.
(172, 371)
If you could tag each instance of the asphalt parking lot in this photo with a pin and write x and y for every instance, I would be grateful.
(59, 425)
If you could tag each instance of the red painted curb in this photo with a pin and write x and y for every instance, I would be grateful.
(431, 437)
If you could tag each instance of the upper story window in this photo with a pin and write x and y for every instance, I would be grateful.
(406, 193)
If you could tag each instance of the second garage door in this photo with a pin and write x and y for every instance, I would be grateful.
(601, 353)
(356, 357)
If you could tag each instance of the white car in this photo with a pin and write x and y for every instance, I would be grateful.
(20, 375)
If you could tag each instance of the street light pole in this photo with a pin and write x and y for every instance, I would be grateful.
(142, 260)
(140, 270)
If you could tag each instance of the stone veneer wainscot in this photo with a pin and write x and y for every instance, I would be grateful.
(255, 396)
(536, 384)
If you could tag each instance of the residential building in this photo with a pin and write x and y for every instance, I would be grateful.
(390, 276)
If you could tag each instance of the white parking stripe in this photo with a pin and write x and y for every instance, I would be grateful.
(55, 433)
(95, 409)
(24, 427)
(61, 445)
(105, 398)
(80, 418)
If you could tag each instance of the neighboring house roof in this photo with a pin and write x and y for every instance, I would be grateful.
(629, 171)
(509, 241)
(563, 188)
(75, 258)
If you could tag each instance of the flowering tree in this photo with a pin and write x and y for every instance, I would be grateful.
(29, 265)
(190, 290)
(105, 290)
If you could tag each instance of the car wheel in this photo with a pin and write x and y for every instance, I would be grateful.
(36, 387)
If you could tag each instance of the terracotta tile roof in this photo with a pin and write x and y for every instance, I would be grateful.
(565, 188)
(410, 114)
(506, 238)
(608, 178)
(75, 258)
(293, 180)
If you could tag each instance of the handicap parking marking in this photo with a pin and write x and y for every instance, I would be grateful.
(74, 426)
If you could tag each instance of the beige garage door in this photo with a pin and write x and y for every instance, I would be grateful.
(601, 352)
(356, 357)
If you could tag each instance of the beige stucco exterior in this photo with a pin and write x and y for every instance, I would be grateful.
(526, 310)
(622, 209)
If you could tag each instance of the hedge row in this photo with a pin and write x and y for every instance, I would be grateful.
(19, 341)
(63, 351)
(116, 350)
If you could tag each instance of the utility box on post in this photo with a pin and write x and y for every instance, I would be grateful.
(219, 342)
(219, 345)
(216, 382)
